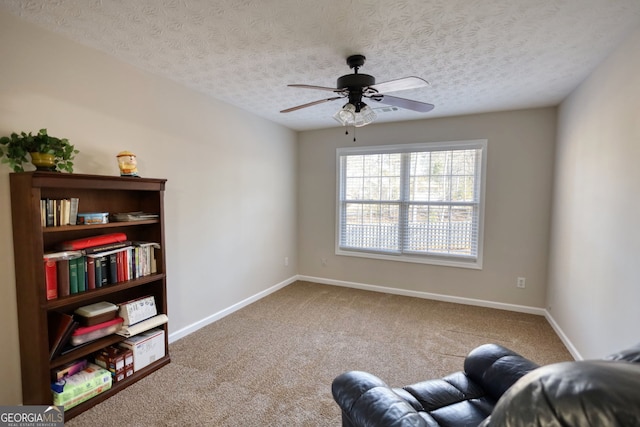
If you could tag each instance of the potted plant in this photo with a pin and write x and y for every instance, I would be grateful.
(46, 152)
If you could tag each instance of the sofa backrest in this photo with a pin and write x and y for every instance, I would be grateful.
(602, 393)
(631, 354)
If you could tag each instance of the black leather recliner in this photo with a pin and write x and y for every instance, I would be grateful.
(498, 387)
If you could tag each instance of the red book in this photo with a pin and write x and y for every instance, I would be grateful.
(120, 265)
(91, 272)
(51, 278)
(63, 277)
(74, 245)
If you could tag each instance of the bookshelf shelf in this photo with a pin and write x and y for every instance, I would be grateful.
(67, 228)
(85, 350)
(96, 193)
(87, 297)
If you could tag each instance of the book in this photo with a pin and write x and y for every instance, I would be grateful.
(61, 326)
(73, 275)
(56, 216)
(98, 271)
(120, 265)
(43, 212)
(73, 210)
(51, 212)
(104, 268)
(113, 268)
(82, 273)
(64, 280)
(64, 211)
(91, 272)
(88, 242)
(50, 278)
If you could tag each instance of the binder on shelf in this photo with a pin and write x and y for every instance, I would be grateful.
(61, 326)
(93, 241)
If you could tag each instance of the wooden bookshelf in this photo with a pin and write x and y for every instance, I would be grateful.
(31, 240)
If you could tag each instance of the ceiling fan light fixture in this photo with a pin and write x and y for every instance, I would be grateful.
(346, 116)
(365, 116)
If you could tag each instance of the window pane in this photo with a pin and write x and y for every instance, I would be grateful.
(443, 176)
(373, 177)
(371, 226)
(441, 229)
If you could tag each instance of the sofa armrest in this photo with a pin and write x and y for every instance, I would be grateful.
(366, 400)
(496, 368)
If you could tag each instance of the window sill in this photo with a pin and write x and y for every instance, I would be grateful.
(475, 264)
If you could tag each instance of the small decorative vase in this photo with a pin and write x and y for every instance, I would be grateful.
(43, 161)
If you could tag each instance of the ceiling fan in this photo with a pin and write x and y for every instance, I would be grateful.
(356, 86)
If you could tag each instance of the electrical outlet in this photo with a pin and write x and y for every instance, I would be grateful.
(521, 282)
(286, 261)
(324, 262)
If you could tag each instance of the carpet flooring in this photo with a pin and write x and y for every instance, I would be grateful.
(272, 362)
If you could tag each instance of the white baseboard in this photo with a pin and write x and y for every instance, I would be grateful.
(174, 336)
(395, 291)
(427, 295)
(458, 300)
(563, 337)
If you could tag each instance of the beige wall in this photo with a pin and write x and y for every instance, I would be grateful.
(231, 191)
(594, 279)
(518, 188)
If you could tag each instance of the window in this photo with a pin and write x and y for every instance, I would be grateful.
(416, 203)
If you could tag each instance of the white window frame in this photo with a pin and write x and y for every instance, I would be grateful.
(432, 258)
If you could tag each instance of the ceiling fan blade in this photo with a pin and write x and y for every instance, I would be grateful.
(309, 104)
(400, 84)
(407, 104)
(331, 89)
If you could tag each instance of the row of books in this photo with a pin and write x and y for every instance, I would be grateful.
(74, 271)
(57, 212)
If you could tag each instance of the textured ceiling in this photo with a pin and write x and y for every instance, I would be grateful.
(478, 55)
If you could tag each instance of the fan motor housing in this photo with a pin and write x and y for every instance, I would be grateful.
(355, 81)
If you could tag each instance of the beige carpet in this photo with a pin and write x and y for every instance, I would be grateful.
(272, 363)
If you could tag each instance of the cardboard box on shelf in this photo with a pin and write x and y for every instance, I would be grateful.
(117, 360)
(147, 347)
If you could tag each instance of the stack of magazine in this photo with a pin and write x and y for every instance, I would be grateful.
(133, 216)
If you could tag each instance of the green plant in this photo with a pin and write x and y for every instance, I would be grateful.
(14, 150)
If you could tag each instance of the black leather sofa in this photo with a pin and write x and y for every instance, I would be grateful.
(498, 387)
